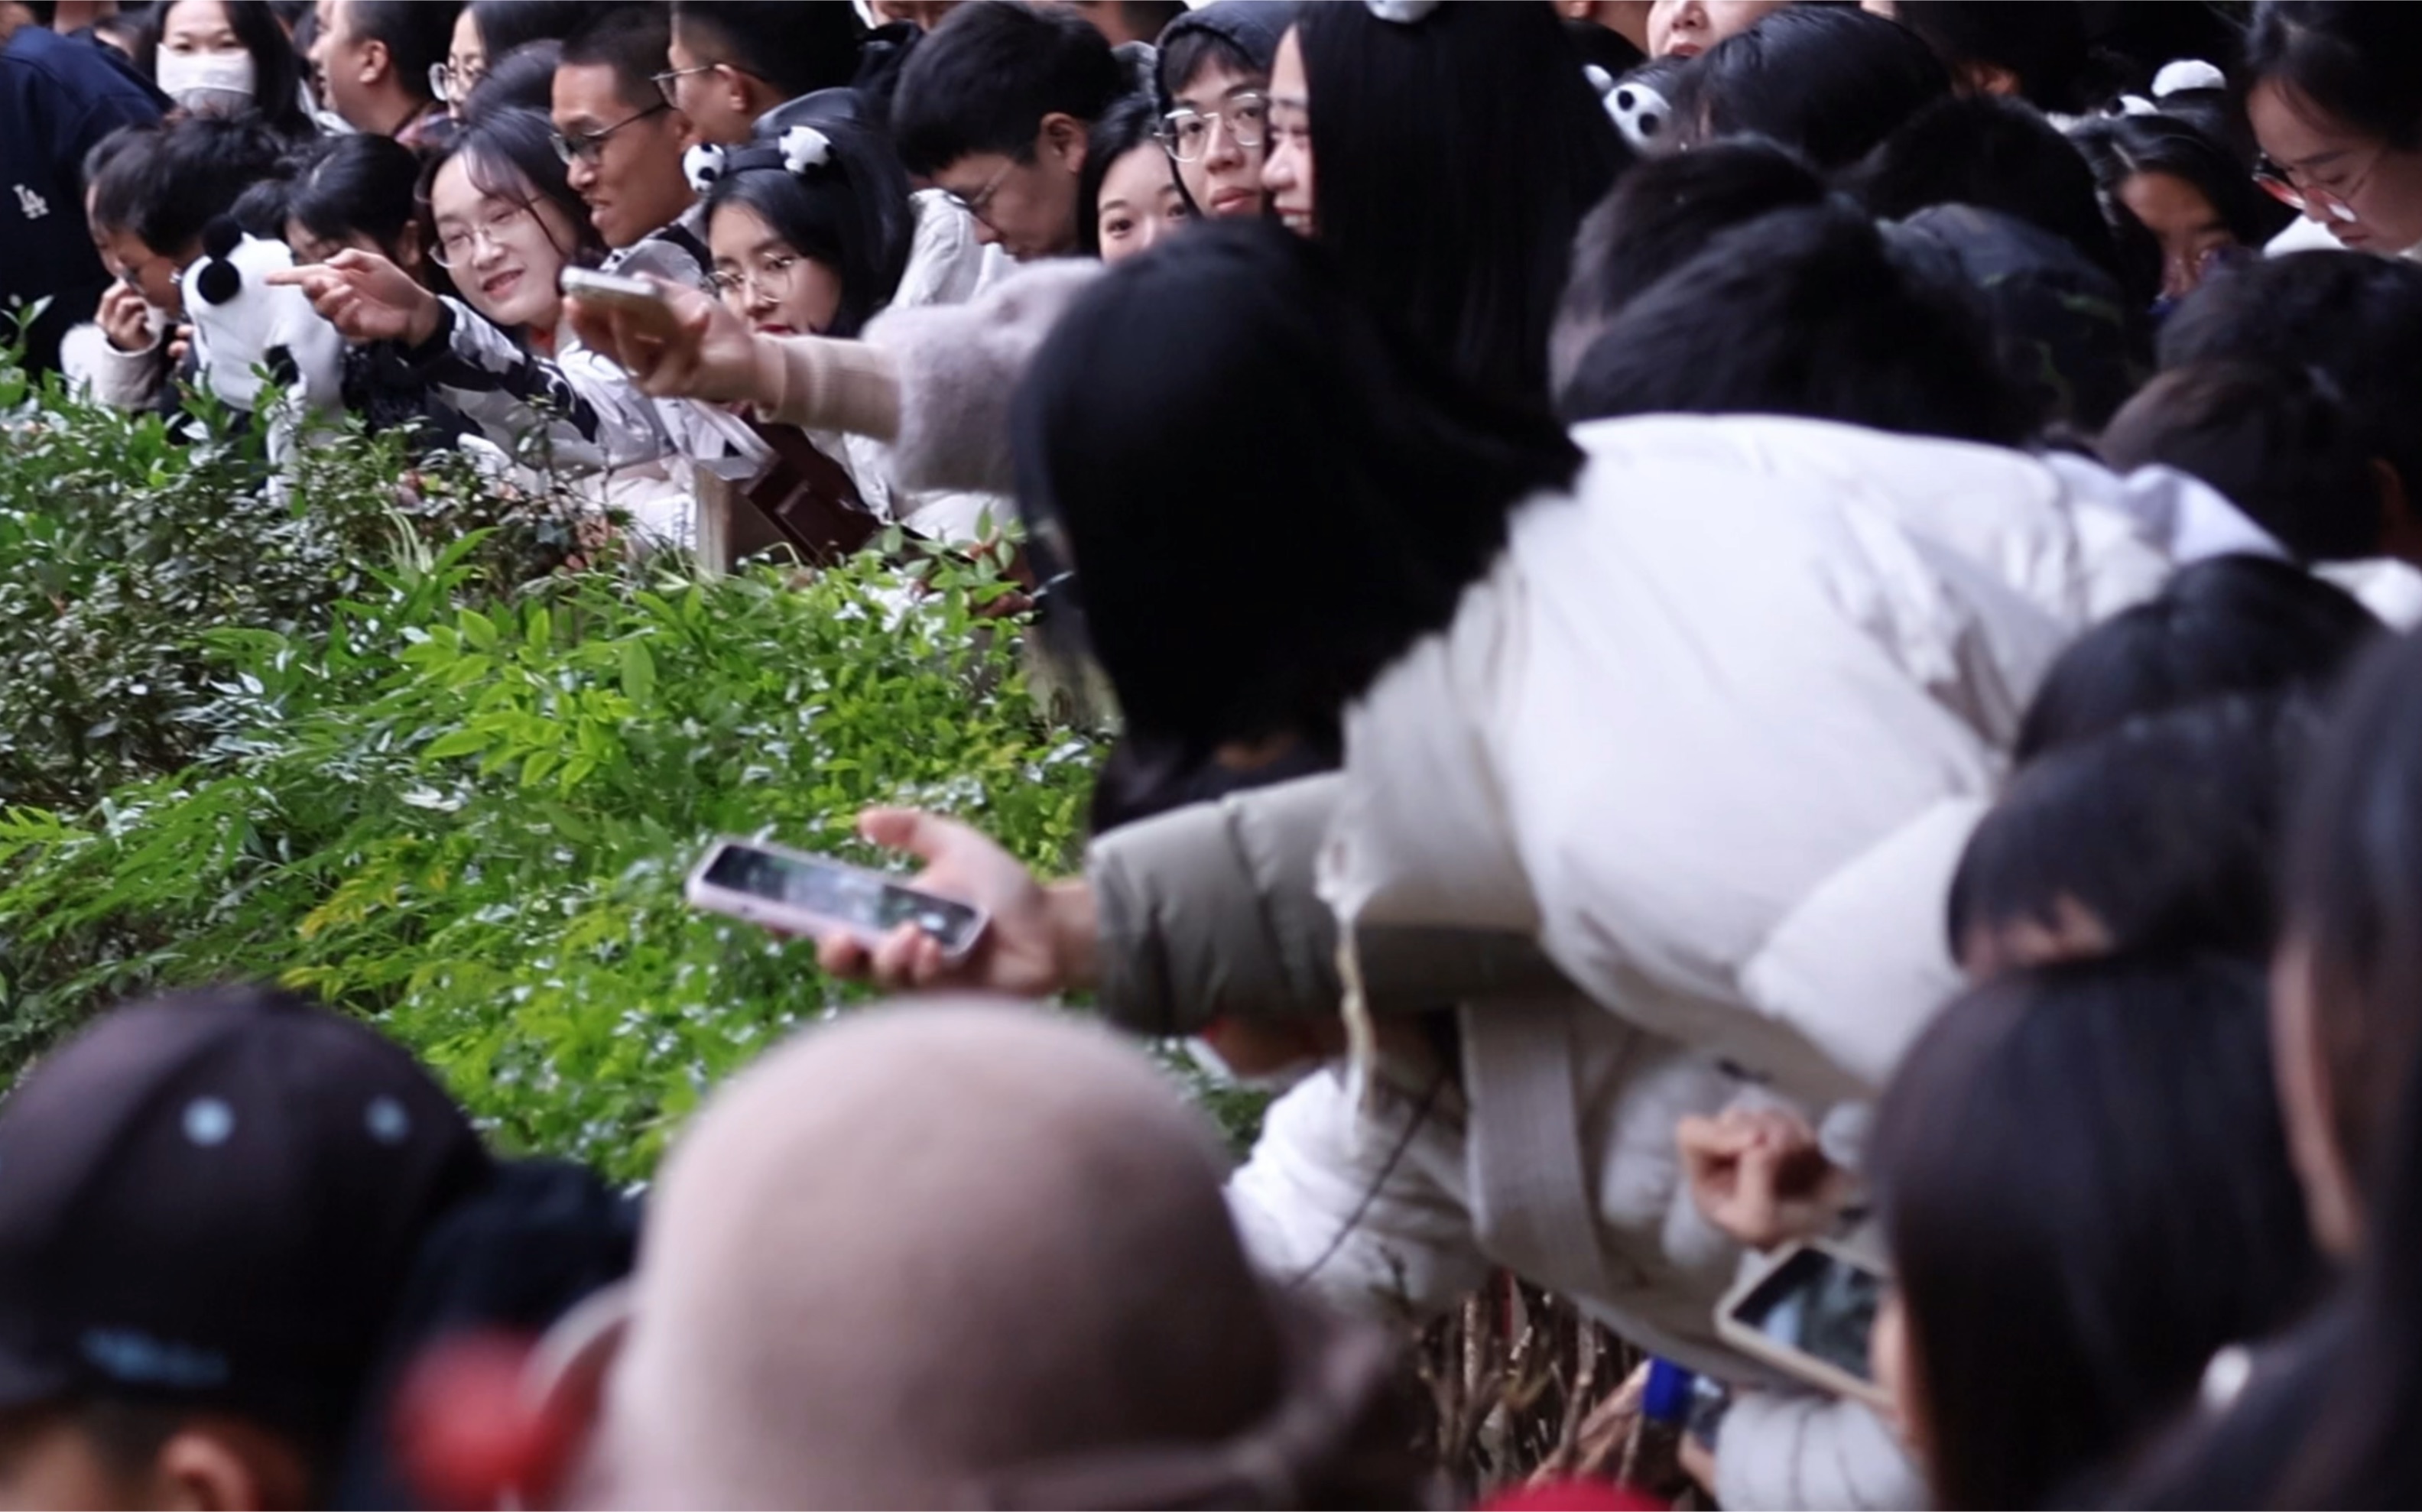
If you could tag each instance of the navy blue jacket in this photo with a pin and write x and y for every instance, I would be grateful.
(58, 96)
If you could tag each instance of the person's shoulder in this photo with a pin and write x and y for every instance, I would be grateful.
(77, 66)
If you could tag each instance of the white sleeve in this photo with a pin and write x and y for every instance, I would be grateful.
(122, 380)
(1347, 1203)
(581, 409)
(1781, 1449)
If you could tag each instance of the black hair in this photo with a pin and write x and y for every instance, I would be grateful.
(984, 78)
(506, 24)
(2087, 1193)
(2067, 329)
(1998, 153)
(1240, 362)
(511, 153)
(1122, 129)
(2360, 62)
(633, 40)
(2044, 42)
(260, 209)
(2354, 909)
(45, 11)
(166, 182)
(2225, 626)
(798, 49)
(2276, 440)
(2117, 147)
(1805, 312)
(277, 68)
(849, 213)
(1828, 81)
(1198, 48)
(2357, 322)
(2165, 831)
(416, 33)
(1457, 155)
(1660, 214)
(360, 184)
(523, 79)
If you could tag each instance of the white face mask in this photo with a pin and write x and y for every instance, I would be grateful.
(207, 81)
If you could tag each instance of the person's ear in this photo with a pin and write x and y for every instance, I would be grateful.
(213, 1466)
(2400, 533)
(376, 62)
(408, 249)
(1063, 140)
(737, 93)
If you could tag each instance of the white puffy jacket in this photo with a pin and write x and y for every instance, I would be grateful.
(1713, 733)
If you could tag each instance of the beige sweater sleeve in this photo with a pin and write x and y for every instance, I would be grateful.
(819, 384)
(1209, 911)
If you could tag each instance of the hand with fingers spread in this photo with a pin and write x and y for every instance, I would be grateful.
(1040, 939)
(368, 298)
(1758, 1175)
(691, 347)
(124, 319)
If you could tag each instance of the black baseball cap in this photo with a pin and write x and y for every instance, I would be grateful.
(213, 1200)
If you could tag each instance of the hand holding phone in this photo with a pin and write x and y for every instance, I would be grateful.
(675, 342)
(814, 896)
(1812, 1315)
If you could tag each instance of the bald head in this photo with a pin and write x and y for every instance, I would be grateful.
(917, 1249)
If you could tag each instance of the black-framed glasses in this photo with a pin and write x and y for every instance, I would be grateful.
(977, 203)
(591, 145)
(670, 79)
(1186, 132)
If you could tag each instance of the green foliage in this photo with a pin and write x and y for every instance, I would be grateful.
(351, 736)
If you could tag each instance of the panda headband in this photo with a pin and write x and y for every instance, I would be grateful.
(800, 151)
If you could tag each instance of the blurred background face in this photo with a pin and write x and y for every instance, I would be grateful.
(466, 63)
(766, 280)
(703, 91)
(505, 254)
(1139, 203)
(1686, 28)
(338, 57)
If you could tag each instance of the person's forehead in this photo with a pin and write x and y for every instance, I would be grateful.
(1216, 81)
(588, 94)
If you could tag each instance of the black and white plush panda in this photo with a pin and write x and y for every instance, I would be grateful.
(247, 332)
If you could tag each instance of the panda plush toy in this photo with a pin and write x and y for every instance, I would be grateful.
(247, 332)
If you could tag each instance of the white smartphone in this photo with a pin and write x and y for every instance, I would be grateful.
(1810, 1315)
(612, 289)
(805, 894)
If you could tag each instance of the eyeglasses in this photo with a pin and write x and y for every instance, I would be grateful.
(1186, 132)
(977, 203)
(771, 276)
(591, 145)
(457, 247)
(452, 82)
(2280, 184)
(666, 81)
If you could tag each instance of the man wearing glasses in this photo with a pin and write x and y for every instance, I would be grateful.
(621, 142)
(734, 60)
(993, 109)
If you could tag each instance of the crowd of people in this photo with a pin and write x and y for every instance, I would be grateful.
(1742, 623)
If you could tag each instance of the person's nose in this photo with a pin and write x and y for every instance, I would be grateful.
(486, 251)
(1223, 152)
(581, 172)
(1690, 17)
(1278, 169)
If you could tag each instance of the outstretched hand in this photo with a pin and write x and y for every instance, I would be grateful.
(366, 298)
(690, 347)
(1039, 941)
(1758, 1175)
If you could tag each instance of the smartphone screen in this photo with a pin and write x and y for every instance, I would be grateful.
(843, 893)
(1821, 1305)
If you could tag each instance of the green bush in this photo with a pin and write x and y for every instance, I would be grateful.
(353, 736)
